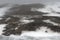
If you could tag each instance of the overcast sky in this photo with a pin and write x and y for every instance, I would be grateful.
(28, 1)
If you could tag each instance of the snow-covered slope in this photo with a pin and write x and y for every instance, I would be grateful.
(42, 31)
(52, 10)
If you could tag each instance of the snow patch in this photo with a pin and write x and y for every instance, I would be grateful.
(40, 33)
(49, 21)
(25, 21)
(52, 10)
(3, 10)
(2, 28)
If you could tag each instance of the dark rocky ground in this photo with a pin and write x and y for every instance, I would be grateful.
(13, 17)
(38, 22)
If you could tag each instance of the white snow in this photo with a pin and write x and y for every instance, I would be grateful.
(2, 28)
(8, 19)
(3, 10)
(52, 14)
(49, 21)
(38, 33)
(51, 10)
(25, 21)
